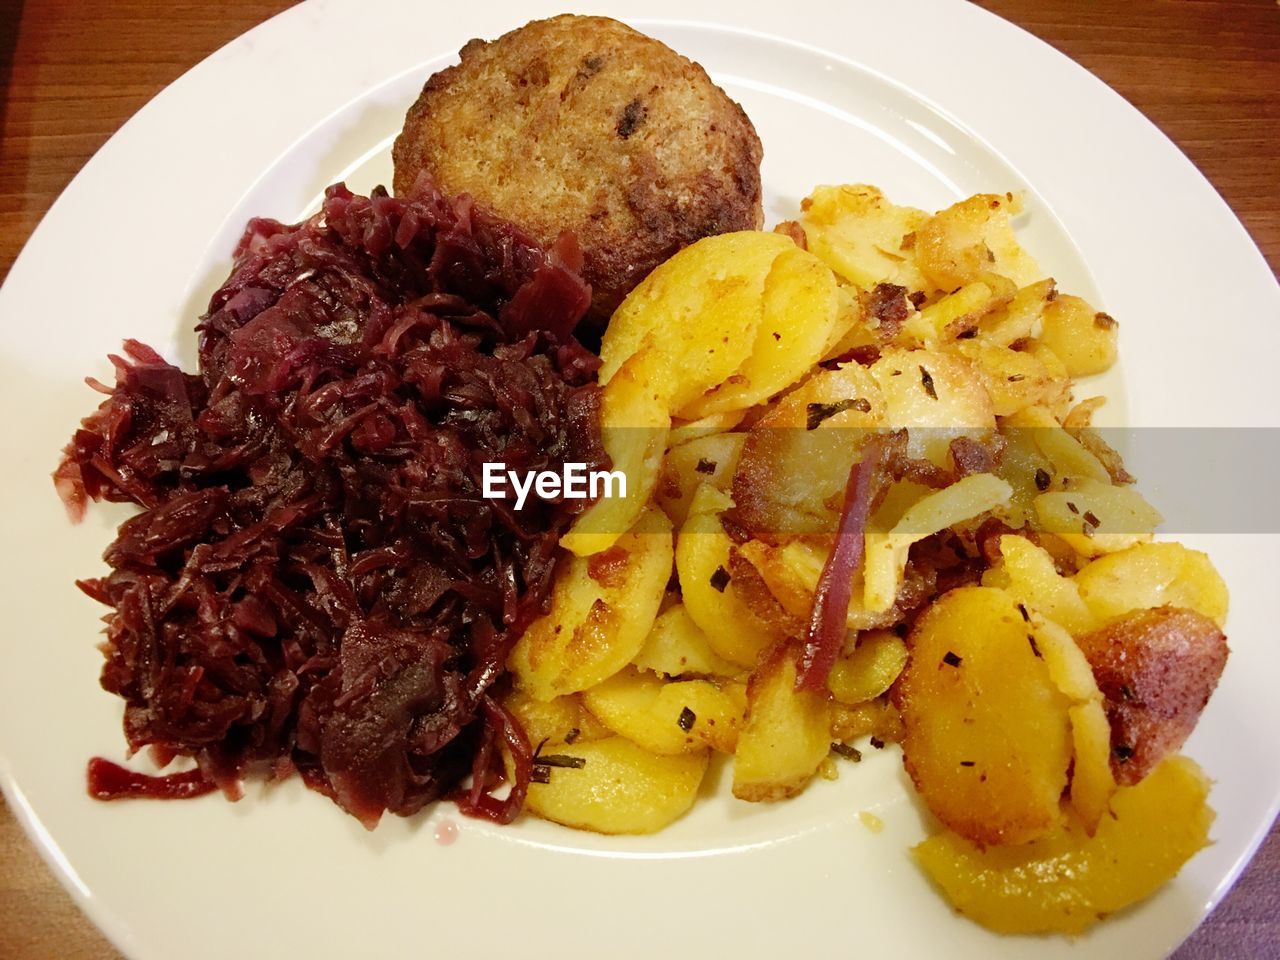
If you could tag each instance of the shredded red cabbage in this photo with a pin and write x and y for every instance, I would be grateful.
(315, 582)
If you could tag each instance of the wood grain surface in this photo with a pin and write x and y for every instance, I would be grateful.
(1206, 71)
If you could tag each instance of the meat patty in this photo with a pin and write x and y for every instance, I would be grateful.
(583, 124)
(1156, 669)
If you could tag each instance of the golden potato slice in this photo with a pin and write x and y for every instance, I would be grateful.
(1097, 518)
(936, 396)
(602, 608)
(787, 733)
(800, 310)
(1067, 881)
(1028, 573)
(682, 431)
(988, 735)
(1081, 336)
(870, 669)
(791, 478)
(1014, 379)
(791, 573)
(620, 788)
(634, 425)
(959, 244)
(676, 646)
(862, 236)
(704, 561)
(1068, 456)
(958, 312)
(699, 311)
(1018, 320)
(1153, 575)
(871, 718)
(886, 553)
(554, 722)
(1092, 782)
(676, 717)
(710, 459)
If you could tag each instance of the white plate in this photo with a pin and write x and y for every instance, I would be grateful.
(930, 100)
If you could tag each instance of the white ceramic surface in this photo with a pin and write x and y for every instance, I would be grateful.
(929, 100)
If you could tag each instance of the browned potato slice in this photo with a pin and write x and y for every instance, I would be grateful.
(554, 722)
(958, 312)
(1018, 320)
(937, 396)
(988, 736)
(1014, 379)
(1081, 336)
(1028, 573)
(620, 788)
(970, 238)
(676, 646)
(1153, 575)
(787, 734)
(1068, 881)
(711, 459)
(704, 562)
(1156, 669)
(870, 669)
(1096, 517)
(800, 309)
(699, 311)
(602, 608)
(675, 717)
(862, 236)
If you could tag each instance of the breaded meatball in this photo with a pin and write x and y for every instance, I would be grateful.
(1156, 669)
(583, 124)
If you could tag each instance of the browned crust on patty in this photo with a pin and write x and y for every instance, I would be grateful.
(583, 124)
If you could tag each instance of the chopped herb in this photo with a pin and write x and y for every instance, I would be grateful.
(1125, 692)
(1034, 647)
(926, 379)
(1091, 519)
(705, 466)
(1073, 508)
(1122, 751)
(541, 775)
(877, 743)
(1016, 377)
(815, 413)
(1042, 479)
(1022, 609)
(538, 749)
(848, 752)
(720, 579)
(572, 735)
(777, 335)
(686, 720)
(966, 763)
(951, 660)
(559, 760)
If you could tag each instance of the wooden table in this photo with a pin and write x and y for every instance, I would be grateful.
(1207, 72)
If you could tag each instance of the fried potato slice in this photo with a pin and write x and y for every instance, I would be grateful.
(862, 236)
(1068, 456)
(988, 735)
(1092, 782)
(699, 311)
(1084, 338)
(787, 733)
(1153, 575)
(1028, 573)
(602, 608)
(1067, 881)
(1097, 518)
(958, 245)
(886, 553)
(800, 308)
(666, 717)
(704, 562)
(709, 459)
(676, 646)
(1019, 319)
(1014, 379)
(869, 669)
(620, 788)
(555, 723)
(634, 424)
(960, 311)
(936, 396)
